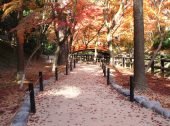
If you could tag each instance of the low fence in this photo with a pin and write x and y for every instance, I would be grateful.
(161, 64)
(106, 73)
(58, 70)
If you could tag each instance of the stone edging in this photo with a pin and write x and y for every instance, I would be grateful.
(144, 101)
(21, 117)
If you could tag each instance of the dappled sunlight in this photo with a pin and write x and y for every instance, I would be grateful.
(74, 72)
(87, 68)
(67, 92)
(168, 85)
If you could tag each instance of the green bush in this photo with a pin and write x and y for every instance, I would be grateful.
(165, 44)
(49, 48)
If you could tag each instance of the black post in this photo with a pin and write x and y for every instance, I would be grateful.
(102, 65)
(100, 62)
(123, 61)
(32, 98)
(162, 66)
(74, 63)
(131, 89)
(152, 67)
(108, 76)
(56, 74)
(41, 81)
(104, 70)
(67, 68)
(71, 68)
(131, 64)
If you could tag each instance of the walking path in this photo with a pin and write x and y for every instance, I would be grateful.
(83, 99)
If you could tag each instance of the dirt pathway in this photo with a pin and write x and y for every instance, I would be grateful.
(83, 99)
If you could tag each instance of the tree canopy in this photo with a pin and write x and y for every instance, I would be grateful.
(74, 25)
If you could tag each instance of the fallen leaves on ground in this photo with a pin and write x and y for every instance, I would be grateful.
(11, 96)
(158, 87)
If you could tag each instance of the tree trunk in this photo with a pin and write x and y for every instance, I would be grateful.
(20, 57)
(95, 52)
(20, 64)
(56, 56)
(96, 46)
(139, 65)
(110, 44)
(154, 55)
(32, 54)
(62, 58)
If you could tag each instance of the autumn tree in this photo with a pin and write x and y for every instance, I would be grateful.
(62, 31)
(113, 14)
(157, 14)
(16, 5)
(26, 24)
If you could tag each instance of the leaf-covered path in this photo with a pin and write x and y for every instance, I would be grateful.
(83, 99)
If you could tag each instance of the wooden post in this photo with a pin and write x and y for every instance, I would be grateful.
(103, 67)
(152, 67)
(162, 66)
(56, 73)
(67, 68)
(131, 89)
(115, 61)
(32, 98)
(74, 63)
(108, 76)
(123, 61)
(41, 81)
(101, 63)
(71, 68)
(104, 70)
(131, 64)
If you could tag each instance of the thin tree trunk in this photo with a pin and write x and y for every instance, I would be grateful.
(20, 64)
(96, 46)
(110, 43)
(139, 65)
(33, 53)
(20, 50)
(20, 57)
(154, 55)
(95, 52)
(161, 37)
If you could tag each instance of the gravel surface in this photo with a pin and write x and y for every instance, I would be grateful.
(83, 99)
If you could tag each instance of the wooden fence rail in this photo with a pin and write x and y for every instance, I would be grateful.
(128, 62)
(159, 63)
